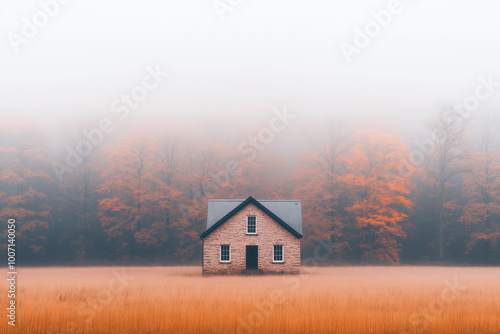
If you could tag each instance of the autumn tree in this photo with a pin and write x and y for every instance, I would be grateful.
(380, 202)
(317, 184)
(24, 178)
(132, 211)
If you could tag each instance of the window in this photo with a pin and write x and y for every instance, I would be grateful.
(251, 225)
(278, 253)
(225, 253)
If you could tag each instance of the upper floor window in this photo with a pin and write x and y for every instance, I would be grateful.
(251, 225)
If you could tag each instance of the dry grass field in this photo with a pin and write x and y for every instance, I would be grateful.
(321, 300)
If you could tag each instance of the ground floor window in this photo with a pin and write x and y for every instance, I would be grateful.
(225, 253)
(278, 253)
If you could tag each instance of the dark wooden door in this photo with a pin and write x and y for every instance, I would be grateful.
(252, 257)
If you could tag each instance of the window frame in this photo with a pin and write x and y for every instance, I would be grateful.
(248, 220)
(228, 251)
(282, 254)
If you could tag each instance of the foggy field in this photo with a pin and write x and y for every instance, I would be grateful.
(321, 300)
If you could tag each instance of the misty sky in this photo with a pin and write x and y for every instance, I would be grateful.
(264, 54)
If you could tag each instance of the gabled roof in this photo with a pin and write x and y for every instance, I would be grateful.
(286, 213)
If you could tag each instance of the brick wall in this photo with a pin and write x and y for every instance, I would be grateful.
(233, 233)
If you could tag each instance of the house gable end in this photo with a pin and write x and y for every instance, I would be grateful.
(240, 207)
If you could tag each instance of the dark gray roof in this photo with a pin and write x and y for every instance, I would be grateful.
(289, 211)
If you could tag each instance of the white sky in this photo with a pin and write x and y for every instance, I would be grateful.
(265, 54)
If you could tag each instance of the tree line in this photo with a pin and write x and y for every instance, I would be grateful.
(142, 199)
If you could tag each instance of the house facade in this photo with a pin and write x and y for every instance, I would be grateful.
(252, 237)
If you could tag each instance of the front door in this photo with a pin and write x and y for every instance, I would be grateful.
(252, 257)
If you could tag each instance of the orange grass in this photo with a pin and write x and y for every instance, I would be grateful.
(321, 300)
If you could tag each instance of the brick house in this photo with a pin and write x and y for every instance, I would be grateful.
(252, 237)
